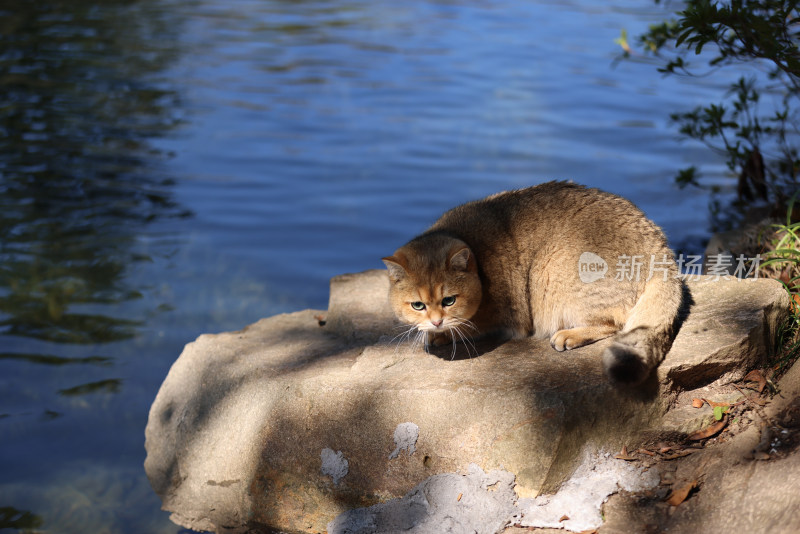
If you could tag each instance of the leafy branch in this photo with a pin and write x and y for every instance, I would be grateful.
(760, 148)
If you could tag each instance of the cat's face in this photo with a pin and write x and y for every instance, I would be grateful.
(434, 284)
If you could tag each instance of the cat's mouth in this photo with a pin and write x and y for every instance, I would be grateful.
(433, 328)
(447, 326)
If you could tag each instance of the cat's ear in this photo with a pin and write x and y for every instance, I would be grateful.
(395, 266)
(459, 260)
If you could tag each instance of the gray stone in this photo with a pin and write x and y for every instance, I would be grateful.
(236, 435)
(729, 330)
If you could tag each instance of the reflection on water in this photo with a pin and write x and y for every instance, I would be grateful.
(19, 519)
(46, 359)
(78, 181)
(111, 385)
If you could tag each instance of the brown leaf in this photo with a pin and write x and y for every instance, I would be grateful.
(786, 276)
(623, 455)
(679, 454)
(715, 404)
(679, 494)
(645, 451)
(757, 376)
(709, 430)
(697, 403)
(459, 496)
(563, 518)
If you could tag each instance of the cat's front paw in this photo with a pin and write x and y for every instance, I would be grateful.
(569, 339)
(562, 341)
(577, 337)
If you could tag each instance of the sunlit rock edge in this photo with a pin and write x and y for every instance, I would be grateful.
(238, 433)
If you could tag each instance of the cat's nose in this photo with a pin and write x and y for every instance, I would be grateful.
(437, 323)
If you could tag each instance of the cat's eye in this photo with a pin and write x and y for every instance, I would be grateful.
(418, 306)
(448, 301)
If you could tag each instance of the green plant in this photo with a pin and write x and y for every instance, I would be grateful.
(760, 147)
(783, 262)
(787, 344)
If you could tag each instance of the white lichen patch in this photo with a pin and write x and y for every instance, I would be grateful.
(581, 497)
(405, 439)
(334, 464)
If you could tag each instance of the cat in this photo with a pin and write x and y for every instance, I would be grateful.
(556, 260)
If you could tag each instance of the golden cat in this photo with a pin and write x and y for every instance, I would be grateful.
(556, 260)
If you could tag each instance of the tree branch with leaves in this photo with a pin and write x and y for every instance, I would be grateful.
(759, 148)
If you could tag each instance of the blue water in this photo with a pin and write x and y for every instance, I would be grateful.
(170, 168)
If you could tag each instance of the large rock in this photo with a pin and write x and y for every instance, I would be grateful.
(287, 423)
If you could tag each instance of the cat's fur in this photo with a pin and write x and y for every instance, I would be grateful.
(512, 263)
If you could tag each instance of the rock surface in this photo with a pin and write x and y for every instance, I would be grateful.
(288, 424)
(758, 495)
(738, 488)
(477, 502)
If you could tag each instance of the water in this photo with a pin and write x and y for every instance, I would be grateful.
(169, 168)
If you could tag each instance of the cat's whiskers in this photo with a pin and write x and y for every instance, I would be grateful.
(460, 330)
(421, 339)
(402, 335)
(465, 338)
(405, 336)
(467, 323)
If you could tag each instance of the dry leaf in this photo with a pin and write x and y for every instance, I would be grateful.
(563, 518)
(754, 376)
(645, 451)
(459, 496)
(679, 454)
(623, 455)
(757, 376)
(709, 430)
(715, 404)
(697, 403)
(679, 495)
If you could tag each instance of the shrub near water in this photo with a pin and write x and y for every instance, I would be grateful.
(783, 263)
(756, 136)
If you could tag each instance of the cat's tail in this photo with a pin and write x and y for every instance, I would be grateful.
(648, 332)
